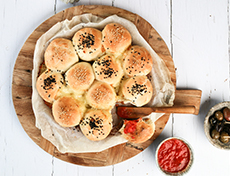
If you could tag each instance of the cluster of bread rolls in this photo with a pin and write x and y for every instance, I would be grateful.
(87, 75)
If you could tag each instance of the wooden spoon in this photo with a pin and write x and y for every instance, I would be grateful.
(138, 112)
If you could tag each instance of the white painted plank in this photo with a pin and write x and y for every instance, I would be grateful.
(61, 168)
(19, 154)
(200, 50)
(61, 6)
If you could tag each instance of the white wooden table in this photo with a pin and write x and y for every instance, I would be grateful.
(197, 34)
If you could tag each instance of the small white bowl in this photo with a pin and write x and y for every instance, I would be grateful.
(187, 167)
(207, 126)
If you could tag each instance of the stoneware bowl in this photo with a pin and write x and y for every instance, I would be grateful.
(207, 126)
(188, 167)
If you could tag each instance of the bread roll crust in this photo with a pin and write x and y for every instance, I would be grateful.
(137, 131)
(88, 43)
(108, 69)
(80, 77)
(138, 90)
(48, 84)
(116, 39)
(96, 124)
(101, 96)
(68, 111)
(60, 55)
(137, 61)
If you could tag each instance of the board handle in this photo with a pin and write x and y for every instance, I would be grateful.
(186, 102)
(138, 112)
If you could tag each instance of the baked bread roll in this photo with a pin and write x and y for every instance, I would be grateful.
(48, 84)
(101, 95)
(116, 39)
(137, 131)
(137, 61)
(60, 55)
(108, 69)
(96, 124)
(138, 90)
(80, 77)
(68, 111)
(88, 43)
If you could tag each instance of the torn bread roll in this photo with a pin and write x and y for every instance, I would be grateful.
(137, 90)
(96, 124)
(101, 95)
(137, 61)
(108, 69)
(48, 84)
(80, 77)
(137, 131)
(68, 111)
(60, 55)
(116, 39)
(88, 43)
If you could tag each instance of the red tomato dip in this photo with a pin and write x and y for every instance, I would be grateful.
(130, 127)
(173, 155)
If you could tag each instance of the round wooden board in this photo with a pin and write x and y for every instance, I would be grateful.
(22, 90)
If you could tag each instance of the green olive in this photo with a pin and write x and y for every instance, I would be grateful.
(224, 137)
(219, 115)
(215, 134)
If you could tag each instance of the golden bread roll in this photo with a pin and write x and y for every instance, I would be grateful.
(68, 111)
(48, 84)
(96, 124)
(116, 39)
(137, 131)
(108, 69)
(137, 61)
(88, 43)
(80, 77)
(101, 95)
(60, 55)
(138, 90)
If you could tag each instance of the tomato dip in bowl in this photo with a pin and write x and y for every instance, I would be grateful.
(174, 156)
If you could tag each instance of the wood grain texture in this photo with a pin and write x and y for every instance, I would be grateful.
(21, 87)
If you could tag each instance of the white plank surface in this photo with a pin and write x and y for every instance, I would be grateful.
(200, 51)
(19, 154)
(197, 34)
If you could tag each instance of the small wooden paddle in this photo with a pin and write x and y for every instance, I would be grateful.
(186, 102)
(135, 112)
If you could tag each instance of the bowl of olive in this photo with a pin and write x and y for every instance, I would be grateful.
(217, 125)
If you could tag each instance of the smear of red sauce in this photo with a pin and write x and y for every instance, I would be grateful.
(130, 127)
(173, 155)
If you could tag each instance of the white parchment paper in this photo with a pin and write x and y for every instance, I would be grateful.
(71, 139)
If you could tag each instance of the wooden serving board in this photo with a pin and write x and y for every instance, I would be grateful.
(22, 90)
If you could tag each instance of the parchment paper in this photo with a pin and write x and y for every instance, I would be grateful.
(71, 139)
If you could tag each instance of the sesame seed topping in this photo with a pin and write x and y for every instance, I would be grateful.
(87, 40)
